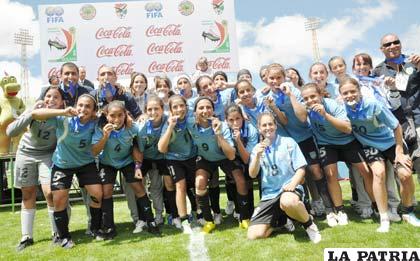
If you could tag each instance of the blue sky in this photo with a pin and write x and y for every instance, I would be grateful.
(268, 30)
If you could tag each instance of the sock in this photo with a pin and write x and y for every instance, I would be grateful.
(384, 216)
(166, 202)
(171, 198)
(203, 203)
(251, 200)
(306, 200)
(27, 217)
(108, 212)
(96, 214)
(51, 215)
(322, 187)
(184, 218)
(407, 210)
(214, 194)
(191, 197)
(375, 207)
(231, 191)
(307, 223)
(62, 222)
(144, 207)
(339, 208)
(243, 206)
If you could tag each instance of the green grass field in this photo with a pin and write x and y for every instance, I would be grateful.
(228, 242)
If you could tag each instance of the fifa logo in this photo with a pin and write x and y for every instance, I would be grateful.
(153, 10)
(54, 14)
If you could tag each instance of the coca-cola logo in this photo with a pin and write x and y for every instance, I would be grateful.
(54, 71)
(171, 66)
(120, 50)
(121, 32)
(169, 48)
(120, 69)
(169, 30)
(220, 64)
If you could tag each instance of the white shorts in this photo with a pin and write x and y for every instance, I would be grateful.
(30, 171)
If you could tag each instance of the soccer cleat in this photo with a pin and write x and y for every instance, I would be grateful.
(384, 227)
(177, 222)
(55, 239)
(208, 227)
(153, 228)
(230, 208)
(98, 235)
(411, 219)
(218, 218)
(24, 244)
(159, 219)
(67, 243)
(366, 213)
(170, 219)
(313, 233)
(289, 226)
(332, 219)
(201, 221)
(139, 226)
(186, 227)
(244, 224)
(393, 215)
(236, 215)
(110, 233)
(342, 218)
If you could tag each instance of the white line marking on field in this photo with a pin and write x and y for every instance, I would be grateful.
(197, 247)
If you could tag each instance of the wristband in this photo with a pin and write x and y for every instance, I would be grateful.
(137, 165)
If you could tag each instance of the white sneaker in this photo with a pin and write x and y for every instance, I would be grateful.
(384, 227)
(159, 219)
(411, 219)
(366, 213)
(236, 215)
(332, 219)
(230, 207)
(139, 226)
(289, 225)
(218, 218)
(393, 215)
(201, 221)
(318, 207)
(177, 222)
(186, 227)
(342, 218)
(313, 233)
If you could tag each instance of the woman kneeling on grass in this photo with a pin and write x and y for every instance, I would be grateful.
(282, 166)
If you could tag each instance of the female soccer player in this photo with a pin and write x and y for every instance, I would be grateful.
(33, 161)
(180, 154)
(332, 131)
(282, 167)
(318, 73)
(113, 143)
(74, 131)
(372, 124)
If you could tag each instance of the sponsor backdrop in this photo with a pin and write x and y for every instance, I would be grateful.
(153, 37)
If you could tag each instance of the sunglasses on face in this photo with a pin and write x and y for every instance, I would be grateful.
(396, 42)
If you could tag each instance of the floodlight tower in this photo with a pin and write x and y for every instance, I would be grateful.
(24, 38)
(312, 24)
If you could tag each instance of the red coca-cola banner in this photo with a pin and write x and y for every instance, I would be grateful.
(168, 30)
(173, 66)
(121, 32)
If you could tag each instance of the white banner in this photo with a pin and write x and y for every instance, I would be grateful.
(152, 37)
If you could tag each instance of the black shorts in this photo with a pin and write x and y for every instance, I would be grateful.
(147, 165)
(245, 169)
(62, 178)
(108, 173)
(349, 153)
(228, 166)
(182, 169)
(310, 151)
(372, 154)
(269, 211)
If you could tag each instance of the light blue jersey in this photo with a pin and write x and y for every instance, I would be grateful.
(278, 165)
(249, 137)
(118, 148)
(74, 142)
(223, 100)
(181, 146)
(148, 138)
(325, 133)
(206, 141)
(332, 89)
(372, 124)
(298, 130)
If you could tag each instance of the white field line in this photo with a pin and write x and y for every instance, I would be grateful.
(197, 247)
